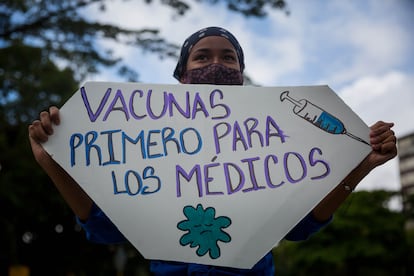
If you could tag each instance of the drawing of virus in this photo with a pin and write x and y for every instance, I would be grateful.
(204, 230)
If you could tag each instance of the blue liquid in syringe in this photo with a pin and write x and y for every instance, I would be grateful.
(329, 123)
(318, 117)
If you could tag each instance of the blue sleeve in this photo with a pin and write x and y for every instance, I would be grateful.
(305, 228)
(160, 268)
(100, 229)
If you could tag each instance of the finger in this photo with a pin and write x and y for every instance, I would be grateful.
(37, 133)
(382, 137)
(385, 142)
(389, 148)
(54, 115)
(380, 127)
(46, 122)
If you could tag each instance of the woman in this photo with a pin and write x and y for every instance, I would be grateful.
(209, 56)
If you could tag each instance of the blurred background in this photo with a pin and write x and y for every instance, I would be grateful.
(361, 49)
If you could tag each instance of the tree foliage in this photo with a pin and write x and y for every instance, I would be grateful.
(29, 82)
(29, 206)
(365, 238)
(65, 34)
(59, 27)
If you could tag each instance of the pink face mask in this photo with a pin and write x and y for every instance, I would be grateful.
(214, 73)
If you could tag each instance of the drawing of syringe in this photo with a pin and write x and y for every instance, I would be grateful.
(318, 117)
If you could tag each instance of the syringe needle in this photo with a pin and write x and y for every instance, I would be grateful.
(357, 138)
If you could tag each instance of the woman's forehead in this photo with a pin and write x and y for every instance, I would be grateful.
(213, 43)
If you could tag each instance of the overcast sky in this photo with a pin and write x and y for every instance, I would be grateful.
(362, 49)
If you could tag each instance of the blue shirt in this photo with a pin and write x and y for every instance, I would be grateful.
(100, 229)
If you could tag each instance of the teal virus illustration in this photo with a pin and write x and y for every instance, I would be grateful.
(204, 230)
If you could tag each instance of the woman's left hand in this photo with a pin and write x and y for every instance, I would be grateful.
(383, 143)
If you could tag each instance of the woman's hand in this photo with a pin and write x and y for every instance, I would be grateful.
(40, 130)
(74, 195)
(383, 143)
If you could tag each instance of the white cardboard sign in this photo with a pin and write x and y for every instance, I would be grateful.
(207, 174)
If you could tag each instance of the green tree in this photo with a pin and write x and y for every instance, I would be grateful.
(364, 238)
(65, 33)
(37, 229)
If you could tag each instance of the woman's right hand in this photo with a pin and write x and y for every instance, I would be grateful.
(39, 132)
(74, 195)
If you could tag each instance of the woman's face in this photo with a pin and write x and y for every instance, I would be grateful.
(213, 49)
